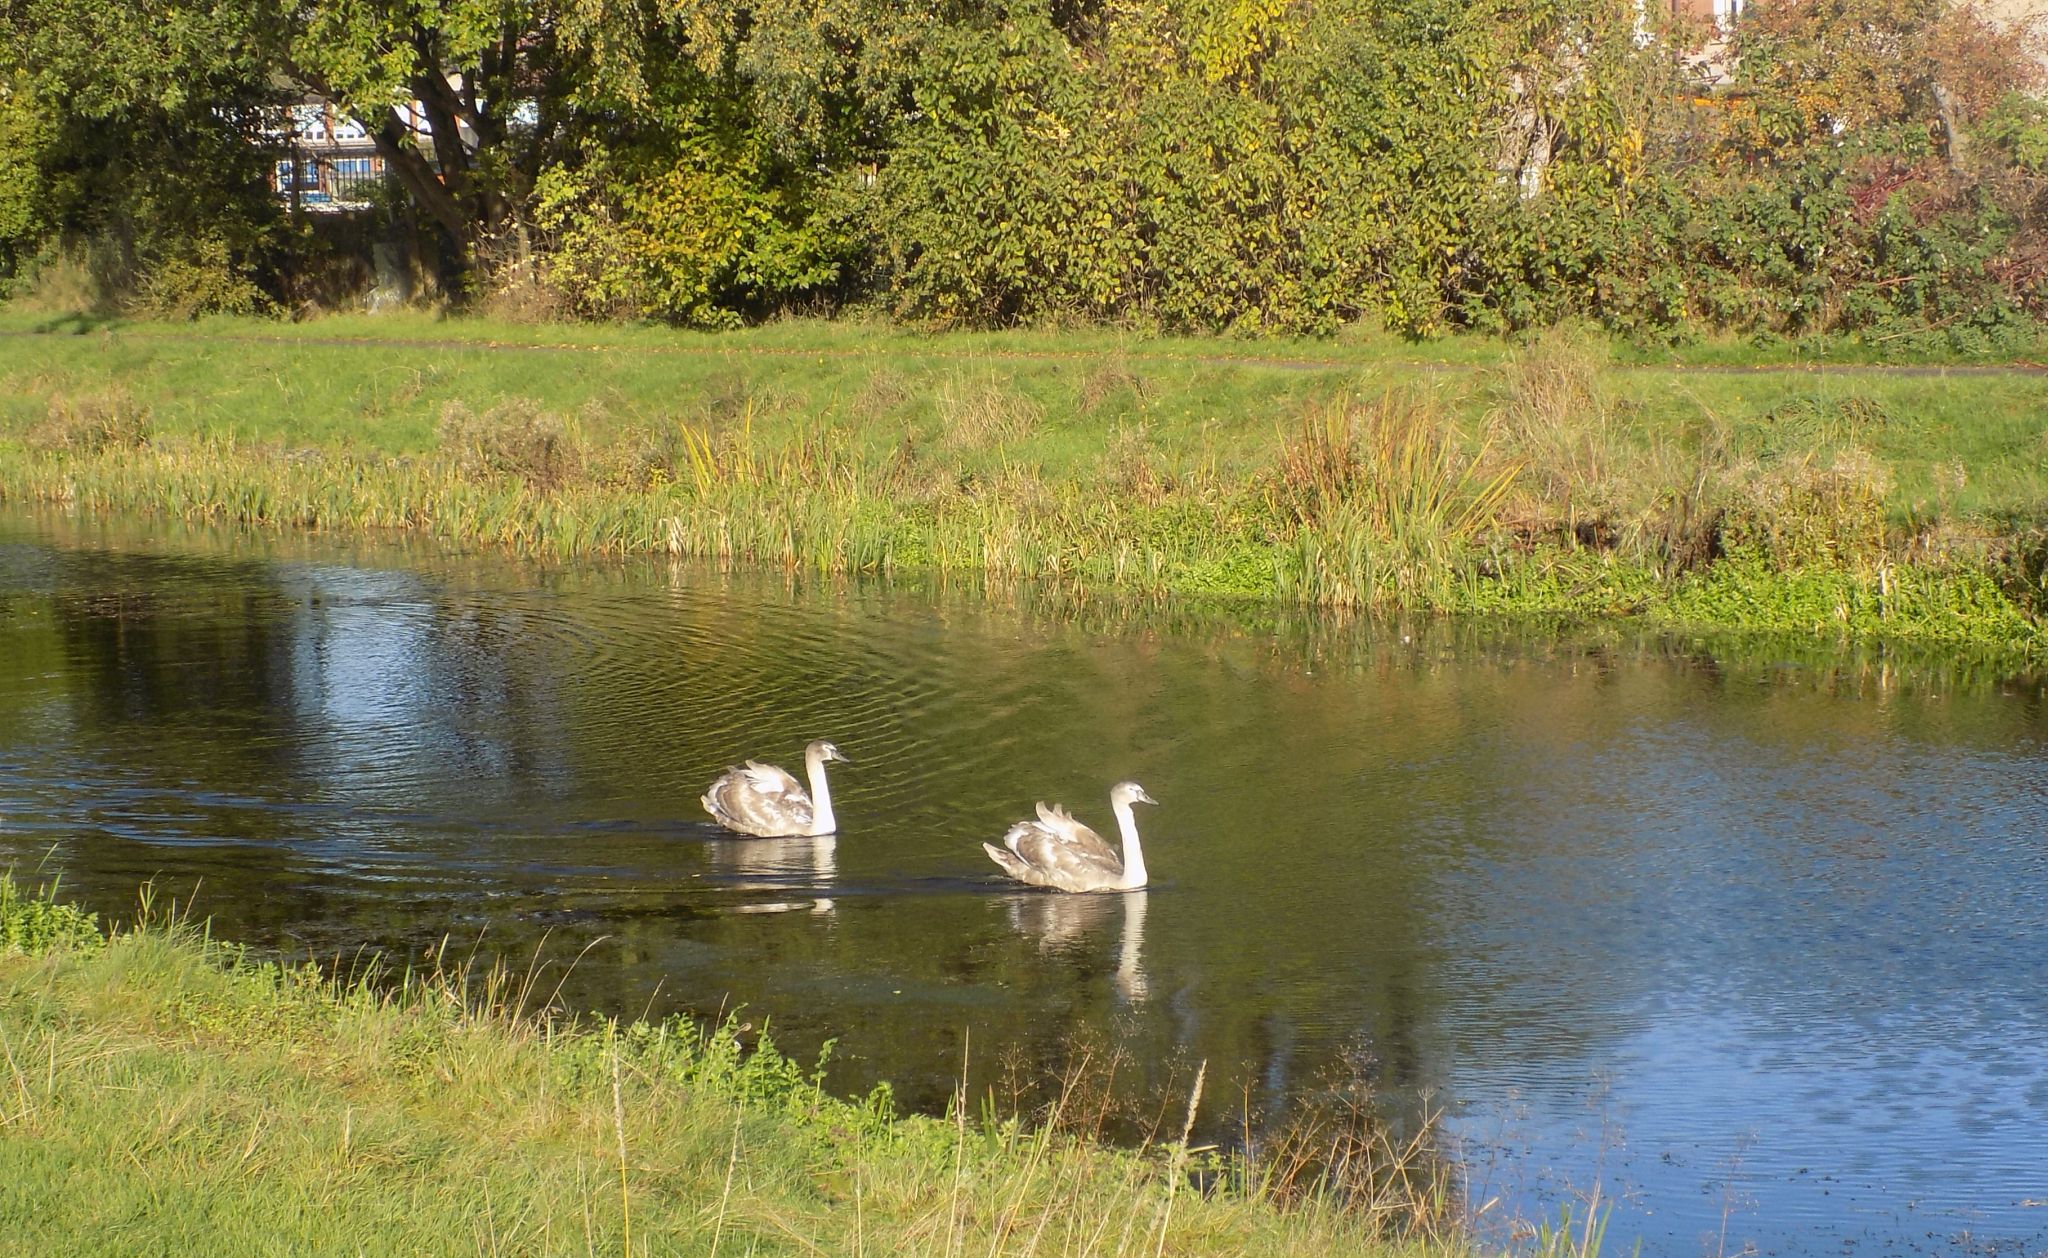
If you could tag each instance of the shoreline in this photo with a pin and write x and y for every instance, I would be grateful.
(262, 1104)
(1536, 490)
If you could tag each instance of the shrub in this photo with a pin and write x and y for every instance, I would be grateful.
(36, 922)
(514, 439)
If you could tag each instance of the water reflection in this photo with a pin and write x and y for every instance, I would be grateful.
(777, 865)
(1774, 906)
(1067, 925)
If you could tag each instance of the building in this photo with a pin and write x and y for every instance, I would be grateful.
(330, 162)
(1720, 12)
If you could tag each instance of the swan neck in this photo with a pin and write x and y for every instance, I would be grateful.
(1134, 855)
(822, 820)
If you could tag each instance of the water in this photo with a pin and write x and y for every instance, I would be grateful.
(1756, 945)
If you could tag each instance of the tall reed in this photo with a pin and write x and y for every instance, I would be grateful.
(1371, 502)
(1387, 504)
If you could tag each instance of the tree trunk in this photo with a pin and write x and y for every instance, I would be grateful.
(1953, 142)
(419, 180)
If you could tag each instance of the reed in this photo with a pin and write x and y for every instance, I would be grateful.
(1540, 487)
(1390, 507)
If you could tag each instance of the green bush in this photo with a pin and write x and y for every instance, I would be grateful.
(1873, 167)
(36, 922)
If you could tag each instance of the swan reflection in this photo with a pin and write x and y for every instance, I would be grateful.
(784, 865)
(1060, 923)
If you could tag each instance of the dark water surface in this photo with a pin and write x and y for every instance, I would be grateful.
(1757, 945)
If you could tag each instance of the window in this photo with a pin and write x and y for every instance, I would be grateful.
(298, 176)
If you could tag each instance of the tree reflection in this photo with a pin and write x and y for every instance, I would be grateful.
(1454, 848)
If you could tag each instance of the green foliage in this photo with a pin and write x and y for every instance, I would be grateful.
(2018, 125)
(27, 131)
(1230, 165)
(689, 216)
(1254, 168)
(131, 146)
(36, 922)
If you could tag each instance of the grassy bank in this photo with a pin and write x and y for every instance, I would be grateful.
(1563, 477)
(162, 1093)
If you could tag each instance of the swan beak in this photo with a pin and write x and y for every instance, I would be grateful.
(841, 756)
(1143, 798)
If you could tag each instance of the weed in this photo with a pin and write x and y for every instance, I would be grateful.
(91, 423)
(513, 439)
(38, 922)
(983, 413)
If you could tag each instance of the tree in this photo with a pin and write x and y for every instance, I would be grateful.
(137, 135)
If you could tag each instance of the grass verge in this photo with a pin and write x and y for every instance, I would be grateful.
(1555, 478)
(162, 1092)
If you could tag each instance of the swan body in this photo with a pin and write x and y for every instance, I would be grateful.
(1059, 852)
(769, 803)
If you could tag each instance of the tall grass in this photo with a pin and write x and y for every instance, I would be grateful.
(1556, 496)
(1389, 505)
(162, 1091)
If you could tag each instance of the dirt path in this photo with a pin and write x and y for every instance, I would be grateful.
(1257, 361)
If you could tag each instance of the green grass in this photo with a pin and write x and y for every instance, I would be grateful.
(1569, 476)
(161, 1092)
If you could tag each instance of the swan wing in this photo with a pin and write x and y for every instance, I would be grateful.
(1081, 841)
(759, 799)
(1058, 851)
(1008, 861)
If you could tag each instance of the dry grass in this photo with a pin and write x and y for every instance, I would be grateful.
(514, 439)
(984, 412)
(1820, 513)
(522, 295)
(90, 423)
(1338, 1141)
(1132, 466)
(1110, 381)
(1552, 413)
(1592, 476)
(886, 394)
(73, 280)
(1393, 463)
(1385, 504)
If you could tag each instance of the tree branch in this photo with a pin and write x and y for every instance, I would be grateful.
(412, 171)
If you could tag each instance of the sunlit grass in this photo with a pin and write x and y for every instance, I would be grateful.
(162, 1092)
(1540, 477)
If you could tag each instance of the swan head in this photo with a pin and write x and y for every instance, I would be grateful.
(1129, 793)
(826, 752)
